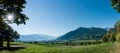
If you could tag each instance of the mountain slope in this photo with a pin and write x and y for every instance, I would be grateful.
(36, 37)
(84, 34)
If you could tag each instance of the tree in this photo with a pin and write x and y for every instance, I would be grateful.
(117, 29)
(14, 35)
(7, 33)
(105, 39)
(114, 34)
(15, 7)
(110, 36)
(3, 26)
(111, 33)
(116, 4)
(117, 26)
(10, 35)
(11, 7)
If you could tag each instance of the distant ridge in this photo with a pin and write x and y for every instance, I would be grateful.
(82, 33)
(36, 37)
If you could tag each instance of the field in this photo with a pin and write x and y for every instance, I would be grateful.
(58, 48)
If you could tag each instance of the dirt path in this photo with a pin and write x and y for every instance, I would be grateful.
(116, 48)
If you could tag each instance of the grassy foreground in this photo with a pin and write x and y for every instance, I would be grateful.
(41, 48)
(34, 48)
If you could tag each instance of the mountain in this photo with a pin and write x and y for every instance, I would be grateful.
(83, 33)
(36, 37)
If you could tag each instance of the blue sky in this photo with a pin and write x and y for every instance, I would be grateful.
(57, 17)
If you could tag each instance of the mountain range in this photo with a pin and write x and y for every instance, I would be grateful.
(36, 37)
(82, 33)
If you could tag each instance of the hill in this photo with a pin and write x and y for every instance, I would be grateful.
(83, 33)
(36, 37)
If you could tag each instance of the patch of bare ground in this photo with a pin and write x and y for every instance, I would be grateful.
(115, 48)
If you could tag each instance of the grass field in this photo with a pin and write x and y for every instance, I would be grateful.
(47, 48)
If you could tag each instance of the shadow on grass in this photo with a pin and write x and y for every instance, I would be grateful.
(11, 48)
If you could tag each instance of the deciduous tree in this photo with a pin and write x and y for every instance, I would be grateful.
(116, 4)
(14, 7)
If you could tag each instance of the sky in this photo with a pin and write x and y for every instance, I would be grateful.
(57, 17)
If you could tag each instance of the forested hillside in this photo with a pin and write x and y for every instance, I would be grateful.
(82, 33)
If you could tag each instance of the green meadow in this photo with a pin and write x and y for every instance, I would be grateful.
(57, 48)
